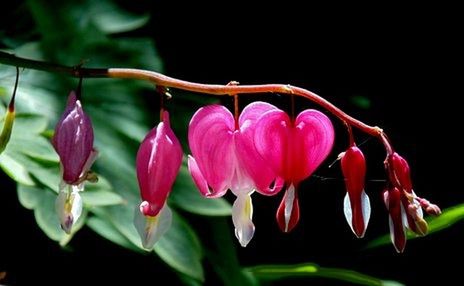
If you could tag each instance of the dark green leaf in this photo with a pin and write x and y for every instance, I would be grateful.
(100, 194)
(181, 249)
(276, 272)
(104, 228)
(448, 217)
(361, 101)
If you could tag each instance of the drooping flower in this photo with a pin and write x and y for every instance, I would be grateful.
(357, 207)
(73, 141)
(224, 157)
(397, 217)
(407, 206)
(158, 161)
(293, 149)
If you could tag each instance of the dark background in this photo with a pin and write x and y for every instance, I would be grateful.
(397, 57)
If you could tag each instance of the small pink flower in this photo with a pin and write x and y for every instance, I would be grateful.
(158, 161)
(293, 149)
(73, 141)
(224, 157)
(357, 207)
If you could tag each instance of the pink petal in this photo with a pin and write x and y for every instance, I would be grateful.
(158, 161)
(73, 139)
(211, 143)
(313, 139)
(272, 141)
(288, 213)
(200, 181)
(256, 167)
(294, 151)
(251, 113)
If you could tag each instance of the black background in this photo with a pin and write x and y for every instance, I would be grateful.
(399, 57)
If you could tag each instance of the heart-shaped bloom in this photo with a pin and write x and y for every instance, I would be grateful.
(158, 161)
(73, 141)
(224, 157)
(293, 149)
(357, 207)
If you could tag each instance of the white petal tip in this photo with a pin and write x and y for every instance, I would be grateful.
(151, 228)
(242, 213)
(68, 206)
(366, 212)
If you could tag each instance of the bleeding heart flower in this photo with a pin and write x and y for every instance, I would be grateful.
(357, 207)
(293, 149)
(158, 161)
(73, 141)
(224, 157)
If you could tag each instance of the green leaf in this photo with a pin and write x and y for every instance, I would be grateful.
(276, 272)
(447, 218)
(100, 194)
(42, 201)
(26, 146)
(15, 170)
(109, 18)
(29, 196)
(107, 230)
(361, 101)
(181, 249)
(186, 196)
(101, 198)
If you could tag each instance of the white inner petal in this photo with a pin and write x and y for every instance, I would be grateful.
(242, 214)
(347, 211)
(151, 228)
(289, 198)
(366, 209)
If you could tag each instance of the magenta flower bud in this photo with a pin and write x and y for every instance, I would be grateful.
(158, 161)
(357, 207)
(400, 175)
(73, 141)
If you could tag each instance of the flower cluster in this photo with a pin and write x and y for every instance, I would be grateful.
(262, 150)
(403, 205)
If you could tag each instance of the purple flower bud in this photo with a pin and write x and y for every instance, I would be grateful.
(73, 141)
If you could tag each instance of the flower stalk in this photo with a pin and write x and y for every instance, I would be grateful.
(212, 89)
